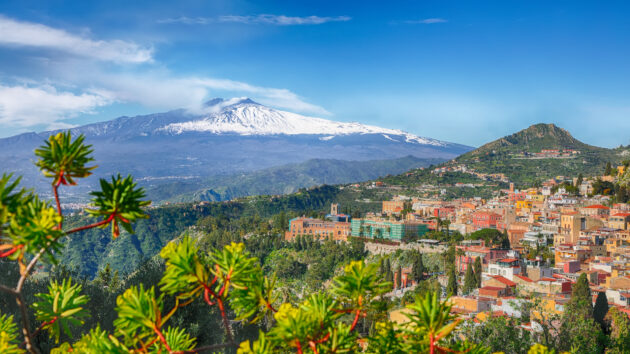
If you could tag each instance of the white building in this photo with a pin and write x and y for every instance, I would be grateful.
(507, 267)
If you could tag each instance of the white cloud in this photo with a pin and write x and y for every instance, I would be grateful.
(282, 98)
(27, 106)
(427, 21)
(81, 83)
(279, 20)
(166, 92)
(27, 34)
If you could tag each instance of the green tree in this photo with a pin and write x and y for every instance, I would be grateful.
(581, 300)
(417, 271)
(580, 179)
(451, 287)
(478, 270)
(601, 309)
(505, 240)
(469, 280)
(608, 170)
(491, 237)
(619, 331)
(500, 334)
(399, 277)
(579, 334)
(578, 330)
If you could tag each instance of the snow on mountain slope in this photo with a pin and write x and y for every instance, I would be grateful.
(246, 117)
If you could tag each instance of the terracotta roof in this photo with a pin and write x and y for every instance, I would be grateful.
(621, 214)
(524, 278)
(508, 260)
(597, 206)
(504, 280)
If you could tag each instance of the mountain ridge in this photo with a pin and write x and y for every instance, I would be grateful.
(536, 136)
(520, 158)
(140, 145)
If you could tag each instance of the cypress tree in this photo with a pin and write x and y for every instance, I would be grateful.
(478, 270)
(418, 268)
(469, 280)
(581, 299)
(505, 240)
(608, 170)
(399, 277)
(451, 287)
(388, 266)
(601, 309)
(579, 181)
(381, 269)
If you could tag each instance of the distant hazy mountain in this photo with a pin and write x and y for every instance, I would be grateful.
(228, 137)
(284, 179)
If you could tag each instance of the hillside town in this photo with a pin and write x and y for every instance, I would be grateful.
(551, 237)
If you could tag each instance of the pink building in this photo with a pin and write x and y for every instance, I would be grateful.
(485, 220)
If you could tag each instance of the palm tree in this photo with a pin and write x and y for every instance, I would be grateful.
(446, 223)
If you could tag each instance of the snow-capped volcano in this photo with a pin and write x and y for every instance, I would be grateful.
(226, 137)
(246, 117)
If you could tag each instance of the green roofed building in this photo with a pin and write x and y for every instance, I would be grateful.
(386, 229)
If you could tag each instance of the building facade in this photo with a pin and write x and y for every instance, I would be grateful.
(318, 229)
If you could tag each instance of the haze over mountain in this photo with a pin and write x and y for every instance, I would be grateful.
(226, 137)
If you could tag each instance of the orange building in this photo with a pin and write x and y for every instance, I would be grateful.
(596, 210)
(319, 229)
(393, 206)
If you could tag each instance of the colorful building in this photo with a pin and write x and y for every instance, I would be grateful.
(387, 229)
(319, 229)
(393, 207)
(485, 220)
(619, 221)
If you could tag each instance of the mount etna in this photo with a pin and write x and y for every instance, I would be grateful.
(229, 138)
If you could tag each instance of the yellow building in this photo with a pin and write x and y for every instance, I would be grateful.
(550, 306)
(524, 204)
(619, 221)
(571, 223)
(391, 207)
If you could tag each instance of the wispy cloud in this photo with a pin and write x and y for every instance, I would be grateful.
(167, 92)
(282, 98)
(26, 106)
(278, 20)
(426, 21)
(83, 81)
(26, 34)
(46, 104)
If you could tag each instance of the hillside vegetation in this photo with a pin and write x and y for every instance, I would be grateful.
(515, 157)
(284, 179)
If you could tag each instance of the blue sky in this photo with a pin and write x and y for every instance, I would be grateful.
(461, 71)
